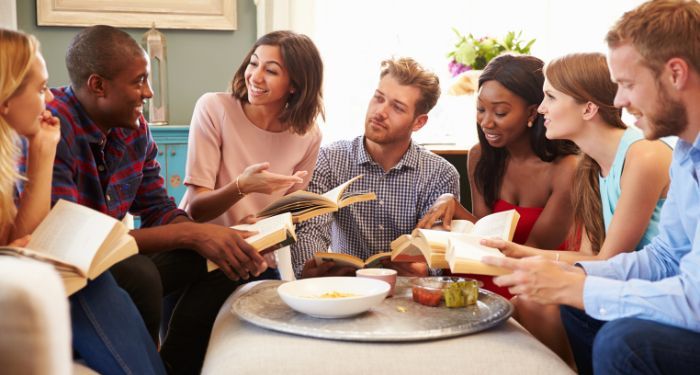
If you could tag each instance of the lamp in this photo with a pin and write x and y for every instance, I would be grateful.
(154, 43)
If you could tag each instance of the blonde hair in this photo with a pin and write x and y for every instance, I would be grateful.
(16, 55)
(586, 78)
(409, 73)
(661, 30)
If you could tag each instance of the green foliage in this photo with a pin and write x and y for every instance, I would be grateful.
(476, 53)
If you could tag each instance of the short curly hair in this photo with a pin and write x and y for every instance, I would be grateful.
(408, 72)
(99, 50)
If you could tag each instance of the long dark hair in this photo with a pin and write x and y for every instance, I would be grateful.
(522, 75)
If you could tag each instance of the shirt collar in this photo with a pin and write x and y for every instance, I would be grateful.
(408, 160)
(92, 132)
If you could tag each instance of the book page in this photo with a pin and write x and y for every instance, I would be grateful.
(298, 200)
(336, 193)
(498, 225)
(462, 226)
(436, 239)
(73, 233)
(468, 247)
(268, 226)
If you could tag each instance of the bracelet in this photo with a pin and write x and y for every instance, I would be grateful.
(238, 187)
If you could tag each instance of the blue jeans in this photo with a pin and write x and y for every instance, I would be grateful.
(630, 345)
(108, 331)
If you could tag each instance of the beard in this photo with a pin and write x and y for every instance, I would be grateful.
(670, 117)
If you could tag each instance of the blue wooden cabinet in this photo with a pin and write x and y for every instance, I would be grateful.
(172, 156)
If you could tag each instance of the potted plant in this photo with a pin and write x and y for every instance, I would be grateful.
(472, 54)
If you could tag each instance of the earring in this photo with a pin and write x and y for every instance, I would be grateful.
(529, 124)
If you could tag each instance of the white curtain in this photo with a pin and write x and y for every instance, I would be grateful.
(8, 14)
(354, 36)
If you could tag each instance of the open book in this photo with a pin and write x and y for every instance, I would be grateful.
(431, 245)
(304, 204)
(347, 260)
(80, 242)
(273, 233)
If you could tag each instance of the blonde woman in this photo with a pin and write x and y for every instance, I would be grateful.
(108, 333)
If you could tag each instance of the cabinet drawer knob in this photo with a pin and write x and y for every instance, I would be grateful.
(172, 153)
(160, 153)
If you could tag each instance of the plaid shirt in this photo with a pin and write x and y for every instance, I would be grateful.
(404, 195)
(113, 173)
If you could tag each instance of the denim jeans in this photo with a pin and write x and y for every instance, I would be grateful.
(630, 345)
(108, 332)
(198, 296)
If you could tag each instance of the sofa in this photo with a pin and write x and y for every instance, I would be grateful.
(35, 323)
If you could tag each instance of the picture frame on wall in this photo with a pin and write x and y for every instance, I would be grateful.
(173, 14)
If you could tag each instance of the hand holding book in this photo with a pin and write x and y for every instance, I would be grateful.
(304, 204)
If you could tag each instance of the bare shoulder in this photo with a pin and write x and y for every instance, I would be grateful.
(648, 159)
(648, 151)
(473, 156)
(566, 165)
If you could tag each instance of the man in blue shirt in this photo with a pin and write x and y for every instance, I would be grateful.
(641, 310)
(406, 178)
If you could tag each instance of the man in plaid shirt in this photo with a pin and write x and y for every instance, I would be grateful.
(106, 160)
(406, 178)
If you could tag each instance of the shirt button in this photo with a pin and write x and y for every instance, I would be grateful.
(101, 168)
(381, 227)
(381, 202)
(109, 198)
(603, 311)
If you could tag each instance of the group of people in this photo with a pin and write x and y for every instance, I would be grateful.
(603, 258)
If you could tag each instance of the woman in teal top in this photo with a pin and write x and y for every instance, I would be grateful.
(619, 186)
(610, 187)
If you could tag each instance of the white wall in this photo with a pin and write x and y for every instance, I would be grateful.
(354, 36)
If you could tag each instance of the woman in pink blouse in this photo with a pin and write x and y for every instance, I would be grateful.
(260, 142)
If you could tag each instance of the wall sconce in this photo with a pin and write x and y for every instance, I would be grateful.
(154, 43)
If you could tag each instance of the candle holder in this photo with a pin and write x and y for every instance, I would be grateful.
(157, 106)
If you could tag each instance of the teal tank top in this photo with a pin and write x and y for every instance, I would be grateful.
(610, 187)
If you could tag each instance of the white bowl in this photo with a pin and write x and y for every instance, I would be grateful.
(305, 296)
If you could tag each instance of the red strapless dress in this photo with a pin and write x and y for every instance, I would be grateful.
(528, 217)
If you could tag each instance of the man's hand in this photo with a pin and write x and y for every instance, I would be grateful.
(256, 179)
(227, 248)
(540, 280)
(413, 269)
(325, 269)
(510, 249)
(443, 209)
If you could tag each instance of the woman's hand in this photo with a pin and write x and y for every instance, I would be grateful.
(49, 132)
(510, 249)
(256, 179)
(443, 209)
(21, 242)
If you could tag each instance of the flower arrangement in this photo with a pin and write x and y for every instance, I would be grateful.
(471, 53)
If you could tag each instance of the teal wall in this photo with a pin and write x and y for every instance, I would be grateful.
(199, 61)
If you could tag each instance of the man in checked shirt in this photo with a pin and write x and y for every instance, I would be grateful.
(406, 178)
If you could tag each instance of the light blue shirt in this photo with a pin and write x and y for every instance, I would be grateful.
(661, 282)
(610, 189)
(404, 195)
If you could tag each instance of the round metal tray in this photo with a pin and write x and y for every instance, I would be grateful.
(397, 319)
